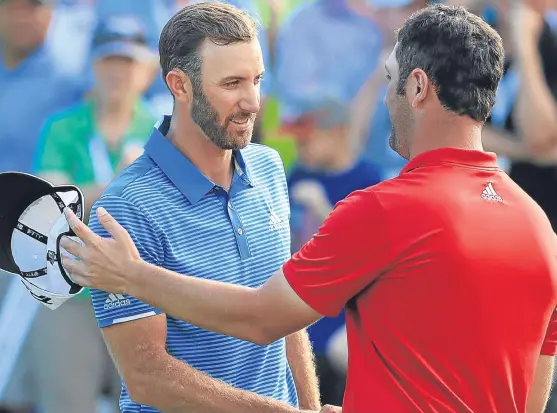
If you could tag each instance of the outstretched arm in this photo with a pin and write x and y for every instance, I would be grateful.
(319, 280)
(260, 315)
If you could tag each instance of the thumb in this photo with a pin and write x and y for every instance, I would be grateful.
(111, 225)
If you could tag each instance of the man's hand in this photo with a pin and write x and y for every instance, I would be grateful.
(526, 24)
(100, 263)
(311, 195)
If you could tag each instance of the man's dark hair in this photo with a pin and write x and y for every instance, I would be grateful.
(186, 30)
(461, 54)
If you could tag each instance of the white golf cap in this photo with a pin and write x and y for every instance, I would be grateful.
(31, 226)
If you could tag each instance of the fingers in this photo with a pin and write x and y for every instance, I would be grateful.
(73, 247)
(79, 228)
(76, 271)
(111, 225)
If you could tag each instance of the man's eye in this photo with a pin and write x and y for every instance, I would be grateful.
(258, 79)
(232, 84)
(388, 77)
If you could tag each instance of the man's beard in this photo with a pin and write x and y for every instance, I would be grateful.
(401, 130)
(207, 118)
(394, 141)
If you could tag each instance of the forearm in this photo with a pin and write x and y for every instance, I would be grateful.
(302, 363)
(536, 109)
(541, 388)
(223, 308)
(172, 386)
(503, 144)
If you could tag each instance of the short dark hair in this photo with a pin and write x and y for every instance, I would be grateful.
(181, 37)
(461, 54)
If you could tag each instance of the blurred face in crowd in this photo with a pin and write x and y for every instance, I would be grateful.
(117, 77)
(399, 110)
(321, 148)
(226, 99)
(24, 24)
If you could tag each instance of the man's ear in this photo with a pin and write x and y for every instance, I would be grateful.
(417, 87)
(180, 85)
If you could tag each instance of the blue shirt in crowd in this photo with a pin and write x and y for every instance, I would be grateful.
(29, 94)
(182, 221)
(324, 48)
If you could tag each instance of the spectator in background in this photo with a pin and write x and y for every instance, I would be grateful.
(327, 171)
(87, 145)
(337, 43)
(154, 14)
(525, 114)
(371, 125)
(33, 83)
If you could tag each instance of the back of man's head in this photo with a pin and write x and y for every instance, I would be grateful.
(186, 31)
(460, 53)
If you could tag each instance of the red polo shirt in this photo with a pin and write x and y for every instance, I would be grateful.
(449, 276)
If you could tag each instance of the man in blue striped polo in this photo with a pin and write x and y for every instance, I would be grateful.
(200, 200)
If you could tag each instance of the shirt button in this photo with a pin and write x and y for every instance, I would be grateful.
(240, 231)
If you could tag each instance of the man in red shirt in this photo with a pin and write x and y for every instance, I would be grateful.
(448, 272)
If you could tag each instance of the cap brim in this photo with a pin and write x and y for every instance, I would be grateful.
(132, 51)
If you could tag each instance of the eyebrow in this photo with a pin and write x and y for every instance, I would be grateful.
(234, 78)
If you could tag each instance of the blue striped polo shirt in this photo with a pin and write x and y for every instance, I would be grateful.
(182, 221)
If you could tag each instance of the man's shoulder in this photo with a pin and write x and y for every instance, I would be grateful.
(262, 161)
(138, 183)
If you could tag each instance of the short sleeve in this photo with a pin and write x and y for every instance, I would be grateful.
(52, 152)
(549, 346)
(347, 254)
(118, 308)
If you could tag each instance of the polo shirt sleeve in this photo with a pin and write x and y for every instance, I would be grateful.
(348, 253)
(111, 308)
(52, 151)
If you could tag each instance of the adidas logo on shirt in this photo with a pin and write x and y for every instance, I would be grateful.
(276, 223)
(489, 194)
(116, 301)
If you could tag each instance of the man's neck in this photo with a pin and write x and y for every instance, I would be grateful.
(114, 108)
(113, 118)
(14, 58)
(213, 162)
(451, 131)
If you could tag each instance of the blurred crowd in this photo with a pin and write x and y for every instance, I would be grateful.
(80, 91)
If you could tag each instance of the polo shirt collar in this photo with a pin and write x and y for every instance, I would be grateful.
(179, 169)
(469, 157)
